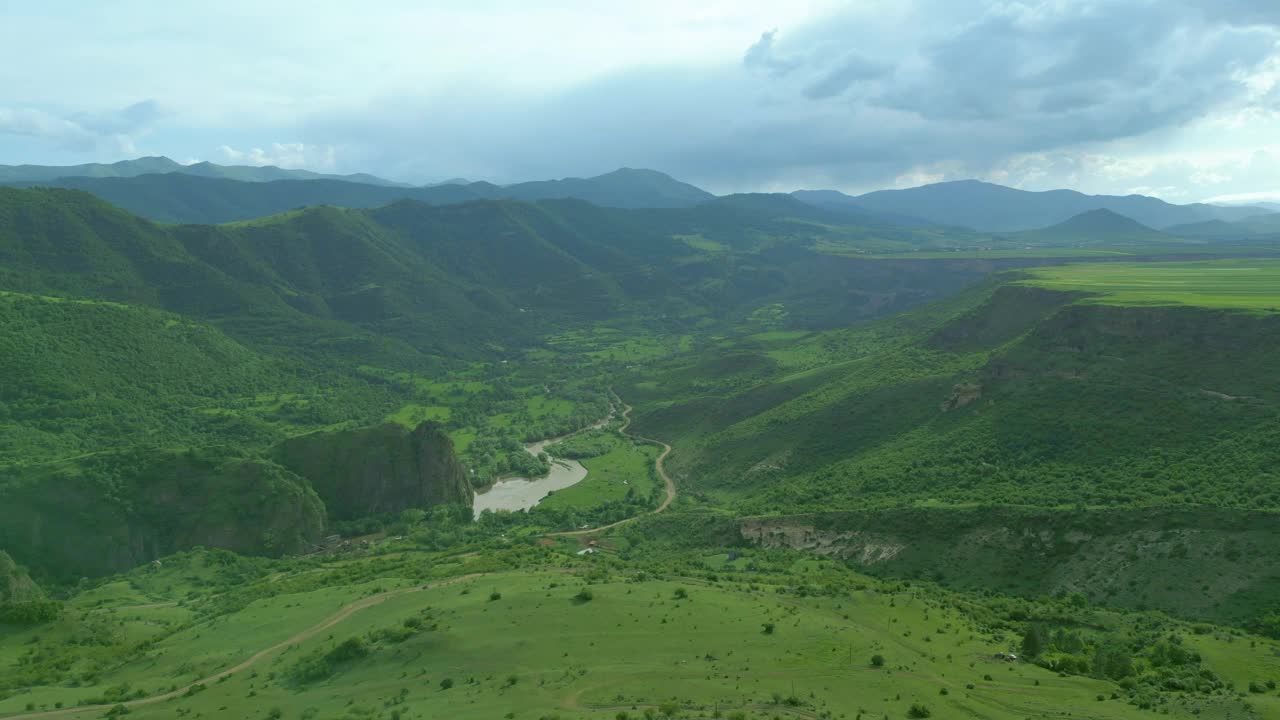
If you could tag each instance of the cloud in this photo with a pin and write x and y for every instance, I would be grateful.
(856, 99)
(285, 155)
(761, 56)
(734, 96)
(853, 69)
(83, 131)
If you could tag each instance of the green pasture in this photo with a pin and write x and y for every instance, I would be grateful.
(538, 644)
(1243, 284)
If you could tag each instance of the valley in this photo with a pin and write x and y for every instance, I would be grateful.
(710, 458)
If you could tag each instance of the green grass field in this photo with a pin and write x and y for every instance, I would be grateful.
(1244, 284)
(626, 468)
(574, 638)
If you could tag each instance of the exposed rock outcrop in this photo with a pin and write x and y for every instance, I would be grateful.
(1156, 557)
(15, 585)
(378, 470)
(111, 512)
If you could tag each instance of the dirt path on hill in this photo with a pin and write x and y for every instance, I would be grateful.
(346, 612)
(662, 473)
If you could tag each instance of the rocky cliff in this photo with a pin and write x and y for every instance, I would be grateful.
(1196, 562)
(378, 470)
(15, 585)
(108, 512)
(114, 511)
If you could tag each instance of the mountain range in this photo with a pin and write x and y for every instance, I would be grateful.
(162, 165)
(167, 191)
(995, 208)
(189, 198)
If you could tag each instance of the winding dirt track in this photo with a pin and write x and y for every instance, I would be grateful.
(346, 612)
(662, 472)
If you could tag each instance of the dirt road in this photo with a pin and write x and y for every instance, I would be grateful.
(342, 614)
(662, 473)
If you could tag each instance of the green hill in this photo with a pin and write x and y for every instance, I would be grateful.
(1010, 396)
(885, 475)
(519, 629)
(1097, 227)
(131, 344)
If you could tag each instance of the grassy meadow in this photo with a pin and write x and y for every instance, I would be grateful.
(531, 632)
(1242, 284)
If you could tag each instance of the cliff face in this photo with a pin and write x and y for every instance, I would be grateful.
(378, 470)
(1143, 557)
(113, 512)
(15, 585)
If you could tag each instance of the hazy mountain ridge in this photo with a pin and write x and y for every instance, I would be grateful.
(1254, 227)
(203, 193)
(996, 208)
(193, 198)
(164, 165)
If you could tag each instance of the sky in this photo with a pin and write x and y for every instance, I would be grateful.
(1174, 98)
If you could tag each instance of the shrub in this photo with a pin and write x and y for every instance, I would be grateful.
(495, 595)
(584, 596)
(446, 683)
(877, 660)
(919, 711)
(767, 628)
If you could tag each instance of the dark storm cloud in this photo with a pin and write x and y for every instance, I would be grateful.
(858, 97)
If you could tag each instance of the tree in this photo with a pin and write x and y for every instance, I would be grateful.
(1035, 641)
(1112, 662)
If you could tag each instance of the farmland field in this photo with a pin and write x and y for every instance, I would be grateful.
(1244, 284)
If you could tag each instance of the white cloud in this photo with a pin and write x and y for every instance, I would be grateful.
(1246, 198)
(285, 155)
(854, 95)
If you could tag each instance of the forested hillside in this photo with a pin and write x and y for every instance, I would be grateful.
(133, 345)
(1031, 392)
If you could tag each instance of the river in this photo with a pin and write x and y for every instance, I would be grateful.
(519, 493)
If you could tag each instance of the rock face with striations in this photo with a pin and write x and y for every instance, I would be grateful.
(15, 585)
(114, 511)
(378, 470)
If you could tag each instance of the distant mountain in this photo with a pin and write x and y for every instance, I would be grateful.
(995, 208)
(625, 188)
(1099, 226)
(848, 205)
(154, 165)
(193, 199)
(188, 198)
(1254, 227)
